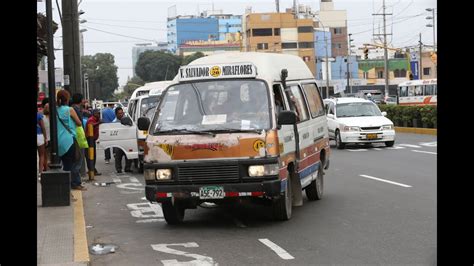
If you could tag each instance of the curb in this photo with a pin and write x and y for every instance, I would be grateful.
(417, 130)
(81, 252)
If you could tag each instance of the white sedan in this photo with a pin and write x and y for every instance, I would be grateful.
(356, 120)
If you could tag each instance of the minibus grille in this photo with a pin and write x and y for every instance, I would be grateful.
(228, 173)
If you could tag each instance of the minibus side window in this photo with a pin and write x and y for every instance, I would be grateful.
(297, 102)
(314, 100)
(279, 100)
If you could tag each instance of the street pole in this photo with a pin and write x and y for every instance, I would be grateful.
(71, 46)
(327, 57)
(348, 65)
(385, 51)
(55, 164)
(421, 68)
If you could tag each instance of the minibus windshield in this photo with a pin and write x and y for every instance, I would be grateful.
(223, 105)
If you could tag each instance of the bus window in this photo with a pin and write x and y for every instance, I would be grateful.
(411, 91)
(403, 91)
(418, 90)
(435, 89)
(429, 90)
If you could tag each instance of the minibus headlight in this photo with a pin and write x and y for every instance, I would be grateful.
(163, 174)
(263, 170)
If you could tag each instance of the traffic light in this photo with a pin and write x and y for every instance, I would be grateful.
(366, 53)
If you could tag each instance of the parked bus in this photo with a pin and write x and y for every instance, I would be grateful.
(418, 92)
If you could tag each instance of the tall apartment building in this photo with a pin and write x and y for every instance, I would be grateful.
(336, 22)
(281, 33)
(182, 29)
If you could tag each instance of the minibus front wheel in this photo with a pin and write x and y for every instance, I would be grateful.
(282, 207)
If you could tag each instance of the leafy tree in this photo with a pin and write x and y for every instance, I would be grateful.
(102, 73)
(157, 66)
(189, 58)
(132, 84)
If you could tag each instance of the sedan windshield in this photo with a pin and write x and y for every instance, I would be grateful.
(357, 109)
(224, 105)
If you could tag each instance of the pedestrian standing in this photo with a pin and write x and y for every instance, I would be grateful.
(77, 102)
(119, 153)
(94, 120)
(45, 105)
(108, 116)
(41, 141)
(67, 121)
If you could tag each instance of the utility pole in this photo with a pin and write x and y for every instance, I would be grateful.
(421, 54)
(277, 2)
(55, 164)
(71, 46)
(348, 64)
(385, 52)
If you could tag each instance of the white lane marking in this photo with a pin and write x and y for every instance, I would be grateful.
(357, 150)
(150, 220)
(395, 148)
(134, 180)
(410, 145)
(386, 181)
(117, 180)
(145, 210)
(198, 259)
(435, 153)
(127, 186)
(277, 249)
(429, 144)
(377, 149)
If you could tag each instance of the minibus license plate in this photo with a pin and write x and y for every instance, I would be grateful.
(211, 192)
(371, 136)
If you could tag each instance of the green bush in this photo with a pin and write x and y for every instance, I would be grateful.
(404, 115)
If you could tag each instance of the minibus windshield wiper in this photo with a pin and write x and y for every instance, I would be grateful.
(234, 130)
(187, 131)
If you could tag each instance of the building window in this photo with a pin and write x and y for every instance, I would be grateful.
(305, 29)
(262, 32)
(289, 45)
(337, 31)
(306, 45)
(262, 46)
(338, 45)
(426, 71)
(396, 73)
(365, 75)
(380, 74)
(403, 73)
(276, 31)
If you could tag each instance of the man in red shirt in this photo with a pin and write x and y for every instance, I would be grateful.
(94, 120)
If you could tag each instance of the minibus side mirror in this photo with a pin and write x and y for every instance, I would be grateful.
(127, 121)
(287, 118)
(384, 113)
(143, 123)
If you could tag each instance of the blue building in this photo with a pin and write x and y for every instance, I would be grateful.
(338, 68)
(183, 29)
(228, 24)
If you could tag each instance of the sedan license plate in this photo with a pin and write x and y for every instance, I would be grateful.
(371, 136)
(211, 192)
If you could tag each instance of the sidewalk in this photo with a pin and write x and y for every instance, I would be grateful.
(61, 238)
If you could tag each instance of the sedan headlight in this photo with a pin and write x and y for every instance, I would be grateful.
(387, 127)
(163, 174)
(262, 170)
(350, 129)
(149, 174)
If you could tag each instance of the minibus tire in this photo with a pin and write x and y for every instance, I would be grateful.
(389, 143)
(174, 214)
(339, 144)
(282, 207)
(140, 167)
(315, 189)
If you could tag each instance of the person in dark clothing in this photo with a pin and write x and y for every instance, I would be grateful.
(94, 120)
(77, 105)
(119, 153)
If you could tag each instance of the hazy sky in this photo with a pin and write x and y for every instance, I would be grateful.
(145, 21)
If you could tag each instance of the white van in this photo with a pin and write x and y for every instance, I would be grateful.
(235, 127)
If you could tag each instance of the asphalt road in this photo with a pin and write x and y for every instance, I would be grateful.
(379, 207)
